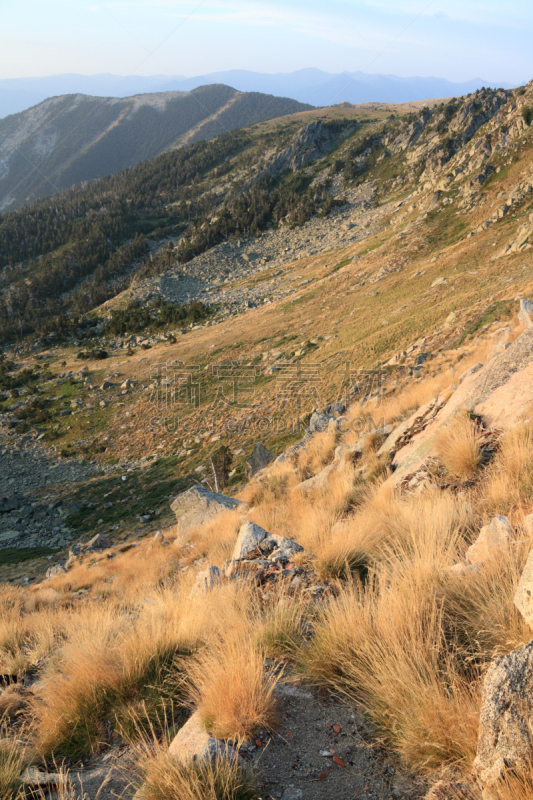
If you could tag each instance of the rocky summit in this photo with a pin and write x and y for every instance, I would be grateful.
(266, 450)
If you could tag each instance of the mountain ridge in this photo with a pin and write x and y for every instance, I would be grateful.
(69, 139)
(309, 85)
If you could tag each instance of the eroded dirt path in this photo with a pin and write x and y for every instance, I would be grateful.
(324, 750)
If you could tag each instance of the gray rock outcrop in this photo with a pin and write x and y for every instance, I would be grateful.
(259, 459)
(197, 506)
(523, 598)
(524, 315)
(505, 739)
(253, 538)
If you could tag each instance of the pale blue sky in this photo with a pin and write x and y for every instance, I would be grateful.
(447, 38)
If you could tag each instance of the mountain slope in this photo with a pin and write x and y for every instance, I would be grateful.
(279, 182)
(74, 138)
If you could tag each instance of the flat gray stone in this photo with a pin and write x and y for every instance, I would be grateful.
(101, 784)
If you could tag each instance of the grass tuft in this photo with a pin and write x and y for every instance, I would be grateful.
(459, 449)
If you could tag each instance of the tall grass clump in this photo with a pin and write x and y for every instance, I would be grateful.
(459, 449)
(229, 687)
(165, 778)
(509, 487)
(121, 676)
(12, 764)
(384, 649)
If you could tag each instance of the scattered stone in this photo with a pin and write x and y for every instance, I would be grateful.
(292, 794)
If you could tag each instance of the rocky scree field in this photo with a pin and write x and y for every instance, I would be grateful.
(348, 613)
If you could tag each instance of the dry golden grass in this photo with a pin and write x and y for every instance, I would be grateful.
(508, 488)
(230, 688)
(166, 779)
(384, 649)
(273, 486)
(12, 762)
(479, 605)
(458, 448)
(215, 540)
(317, 454)
(127, 575)
(12, 702)
(404, 638)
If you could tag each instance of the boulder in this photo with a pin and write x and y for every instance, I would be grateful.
(505, 740)
(55, 572)
(321, 422)
(334, 410)
(75, 506)
(194, 743)
(197, 506)
(258, 460)
(253, 539)
(249, 538)
(492, 537)
(97, 543)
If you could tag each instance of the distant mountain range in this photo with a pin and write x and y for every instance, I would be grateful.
(306, 85)
(73, 138)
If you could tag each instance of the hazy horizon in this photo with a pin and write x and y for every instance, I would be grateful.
(455, 41)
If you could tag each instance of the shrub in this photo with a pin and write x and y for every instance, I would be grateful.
(93, 355)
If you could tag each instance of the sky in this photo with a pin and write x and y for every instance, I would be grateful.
(456, 40)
